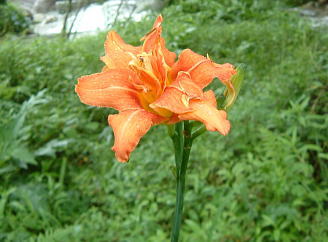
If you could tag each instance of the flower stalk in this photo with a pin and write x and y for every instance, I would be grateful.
(182, 140)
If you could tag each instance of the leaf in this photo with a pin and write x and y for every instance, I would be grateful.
(50, 148)
(196, 228)
(323, 156)
(24, 155)
(267, 221)
(7, 169)
(3, 201)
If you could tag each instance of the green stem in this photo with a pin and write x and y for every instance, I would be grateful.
(178, 140)
(62, 171)
(182, 145)
(198, 132)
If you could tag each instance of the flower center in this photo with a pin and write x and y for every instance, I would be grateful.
(151, 83)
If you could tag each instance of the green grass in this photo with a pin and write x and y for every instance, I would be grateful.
(266, 181)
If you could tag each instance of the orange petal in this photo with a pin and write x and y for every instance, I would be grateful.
(118, 54)
(206, 112)
(153, 40)
(153, 36)
(174, 119)
(176, 97)
(185, 84)
(159, 65)
(108, 89)
(129, 126)
(201, 69)
(105, 68)
(173, 100)
(168, 55)
(158, 21)
(187, 59)
(115, 42)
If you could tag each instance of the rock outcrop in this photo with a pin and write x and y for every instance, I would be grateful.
(43, 6)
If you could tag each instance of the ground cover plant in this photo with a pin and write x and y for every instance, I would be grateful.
(266, 181)
(12, 19)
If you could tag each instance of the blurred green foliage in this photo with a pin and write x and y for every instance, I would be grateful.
(266, 181)
(12, 20)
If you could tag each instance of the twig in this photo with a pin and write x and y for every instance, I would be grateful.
(69, 10)
(75, 17)
(130, 15)
(117, 13)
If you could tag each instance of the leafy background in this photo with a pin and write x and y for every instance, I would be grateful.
(266, 181)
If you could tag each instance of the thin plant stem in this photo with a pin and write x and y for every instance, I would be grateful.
(178, 140)
(198, 132)
(182, 145)
(118, 12)
(62, 171)
(68, 12)
(73, 22)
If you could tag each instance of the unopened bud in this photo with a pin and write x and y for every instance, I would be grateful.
(231, 94)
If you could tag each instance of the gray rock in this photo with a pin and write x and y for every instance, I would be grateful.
(43, 6)
(50, 19)
(39, 17)
(62, 6)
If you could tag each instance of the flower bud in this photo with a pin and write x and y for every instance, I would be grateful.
(231, 94)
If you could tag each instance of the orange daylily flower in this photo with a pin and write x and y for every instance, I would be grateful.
(148, 87)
